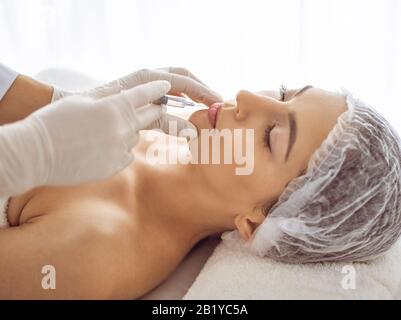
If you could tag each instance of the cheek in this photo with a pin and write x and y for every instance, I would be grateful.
(261, 183)
(269, 178)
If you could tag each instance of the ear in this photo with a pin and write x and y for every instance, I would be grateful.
(247, 223)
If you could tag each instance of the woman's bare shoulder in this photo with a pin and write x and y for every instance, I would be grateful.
(97, 244)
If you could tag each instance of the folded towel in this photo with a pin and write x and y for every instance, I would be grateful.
(233, 273)
(3, 213)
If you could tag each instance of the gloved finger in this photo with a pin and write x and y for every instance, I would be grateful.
(193, 89)
(148, 114)
(183, 72)
(104, 90)
(138, 96)
(130, 140)
(179, 84)
(174, 126)
(127, 160)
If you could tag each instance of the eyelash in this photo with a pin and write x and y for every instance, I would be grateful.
(282, 91)
(267, 136)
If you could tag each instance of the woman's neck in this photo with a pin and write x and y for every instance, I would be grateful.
(177, 200)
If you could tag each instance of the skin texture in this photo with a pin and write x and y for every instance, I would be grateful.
(121, 237)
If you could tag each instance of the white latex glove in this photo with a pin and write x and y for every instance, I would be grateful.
(76, 139)
(182, 81)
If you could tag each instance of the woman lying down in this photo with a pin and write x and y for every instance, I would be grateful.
(325, 186)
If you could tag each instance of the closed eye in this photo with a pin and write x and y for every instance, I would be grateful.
(267, 136)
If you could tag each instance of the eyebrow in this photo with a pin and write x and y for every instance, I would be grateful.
(302, 90)
(293, 124)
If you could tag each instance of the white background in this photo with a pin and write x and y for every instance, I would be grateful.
(230, 44)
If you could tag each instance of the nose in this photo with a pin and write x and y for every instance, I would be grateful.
(251, 104)
(244, 104)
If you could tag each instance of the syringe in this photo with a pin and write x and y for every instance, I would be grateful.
(178, 102)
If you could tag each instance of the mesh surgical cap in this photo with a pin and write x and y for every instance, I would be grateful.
(347, 206)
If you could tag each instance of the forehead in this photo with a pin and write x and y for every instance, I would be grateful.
(316, 112)
(318, 103)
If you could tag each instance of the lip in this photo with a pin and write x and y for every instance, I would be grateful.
(213, 113)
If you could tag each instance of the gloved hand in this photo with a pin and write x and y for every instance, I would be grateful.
(183, 82)
(76, 139)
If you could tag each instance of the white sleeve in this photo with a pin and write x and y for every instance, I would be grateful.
(7, 77)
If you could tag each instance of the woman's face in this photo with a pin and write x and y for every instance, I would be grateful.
(286, 134)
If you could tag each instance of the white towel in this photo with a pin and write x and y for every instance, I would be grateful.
(233, 273)
(3, 213)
